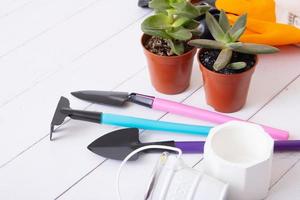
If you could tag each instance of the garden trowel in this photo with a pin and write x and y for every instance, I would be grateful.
(120, 143)
(114, 98)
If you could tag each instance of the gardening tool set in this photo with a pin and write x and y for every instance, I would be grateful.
(254, 143)
(237, 154)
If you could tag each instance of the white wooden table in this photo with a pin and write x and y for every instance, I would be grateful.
(49, 48)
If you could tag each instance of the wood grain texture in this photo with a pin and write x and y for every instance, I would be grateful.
(88, 72)
(61, 46)
(35, 19)
(50, 48)
(8, 7)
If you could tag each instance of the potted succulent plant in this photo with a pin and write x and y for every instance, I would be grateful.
(169, 57)
(227, 65)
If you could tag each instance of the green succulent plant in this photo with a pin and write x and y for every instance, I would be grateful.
(226, 38)
(173, 21)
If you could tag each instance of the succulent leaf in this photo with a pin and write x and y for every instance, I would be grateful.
(202, 9)
(214, 27)
(191, 24)
(236, 35)
(168, 12)
(237, 65)
(204, 43)
(227, 38)
(180, 34)
(178, 4)
(233, 45)
(159, 4)
(163, 12)
(176, 47)
(223, 59)
(250, 48)
(186, 9)
(158, 33)
(173, 20)
(224, 22)
(158, 21)
(239, 24)
(196, 33)
(180, 21)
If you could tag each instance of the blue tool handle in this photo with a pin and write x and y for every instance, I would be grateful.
(133, 122)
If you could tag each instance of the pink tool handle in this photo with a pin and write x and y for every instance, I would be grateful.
(197, 113)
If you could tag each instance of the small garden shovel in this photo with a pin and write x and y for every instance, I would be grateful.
(120, 143)
(114, 98)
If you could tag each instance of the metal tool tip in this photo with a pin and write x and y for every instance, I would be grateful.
(75, 93)
(51, 131)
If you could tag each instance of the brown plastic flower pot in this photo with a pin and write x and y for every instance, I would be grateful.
(169, 74)
(226, 92)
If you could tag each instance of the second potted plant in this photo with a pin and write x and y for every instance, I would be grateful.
(169, 57)
(226, 64)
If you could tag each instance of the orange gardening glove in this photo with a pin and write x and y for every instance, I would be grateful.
(261, 23)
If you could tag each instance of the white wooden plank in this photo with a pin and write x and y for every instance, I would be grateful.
(46, 55)
(276, 112)
(8, 7)
(88, 29)
(103, 176)
(46, 156)
(283, 111)
(24, 69)
(282, 162)
(34, 19)
(87, 73)
(288, 186)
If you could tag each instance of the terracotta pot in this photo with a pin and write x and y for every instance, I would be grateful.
(226, 92)
(195, 1)
(169, 74)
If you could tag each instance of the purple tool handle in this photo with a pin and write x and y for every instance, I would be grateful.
(198, 146)
(190, 147)
(287, 145)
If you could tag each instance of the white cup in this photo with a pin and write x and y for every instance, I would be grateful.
(240, 154)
